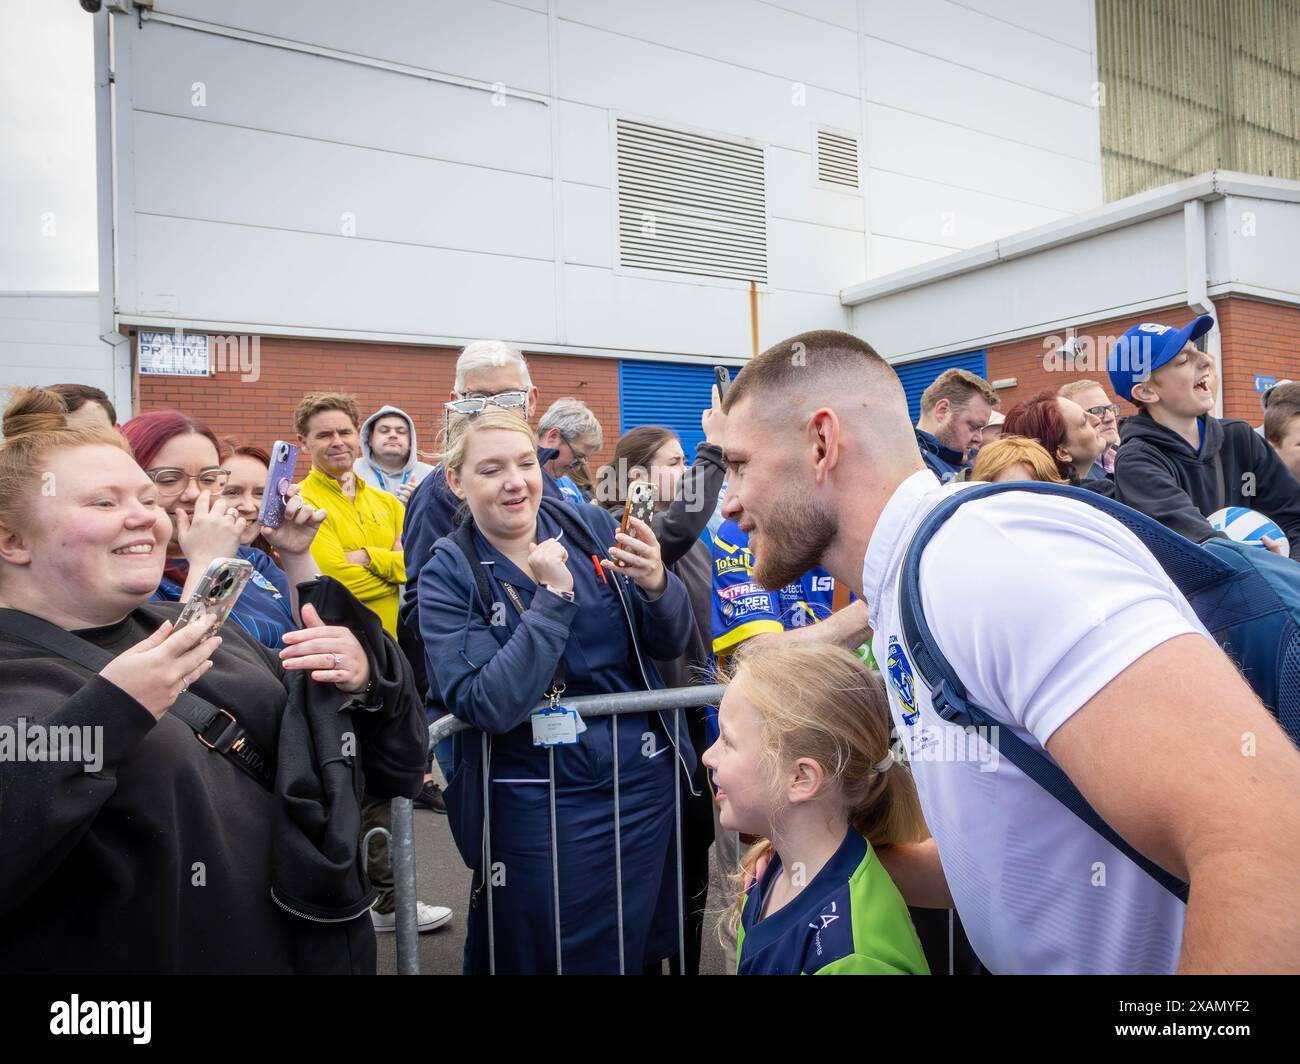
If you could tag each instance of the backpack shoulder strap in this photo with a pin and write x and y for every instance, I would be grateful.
(463, 537)
(575, 528)
(215, 728)
(950, 698)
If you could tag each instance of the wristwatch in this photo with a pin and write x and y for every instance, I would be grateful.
(568, 596)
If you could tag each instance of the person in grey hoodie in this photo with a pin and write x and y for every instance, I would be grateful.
(389, 460)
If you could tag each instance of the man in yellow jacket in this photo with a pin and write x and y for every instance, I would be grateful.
(360, 543)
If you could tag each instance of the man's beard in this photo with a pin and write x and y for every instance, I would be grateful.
(794, 539)
(951, 440)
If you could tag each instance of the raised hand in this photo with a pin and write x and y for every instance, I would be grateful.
(212, 531)
(547, 562)
(299, 527)
(640, 557)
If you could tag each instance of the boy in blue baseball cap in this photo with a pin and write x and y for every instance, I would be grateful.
(1176, 461)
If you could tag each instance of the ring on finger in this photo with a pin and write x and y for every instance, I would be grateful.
(338, 660)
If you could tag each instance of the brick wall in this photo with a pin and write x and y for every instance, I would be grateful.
(1024, 359)
(417, 379)
(1257, 338)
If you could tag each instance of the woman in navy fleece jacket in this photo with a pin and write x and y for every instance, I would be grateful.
(512, 607)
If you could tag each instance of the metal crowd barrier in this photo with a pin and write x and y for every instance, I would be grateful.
(402, 840)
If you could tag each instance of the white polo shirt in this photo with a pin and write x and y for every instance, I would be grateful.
(1037, 603)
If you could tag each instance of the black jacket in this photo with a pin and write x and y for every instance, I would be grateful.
(1161, 474)
(678, 530)
(165, 858)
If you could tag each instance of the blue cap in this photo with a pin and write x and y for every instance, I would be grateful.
(1145, 348)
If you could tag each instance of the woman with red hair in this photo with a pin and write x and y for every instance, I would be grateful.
(1067, 432)
(181, 456)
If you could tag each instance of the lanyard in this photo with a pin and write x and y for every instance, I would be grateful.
(557, 681)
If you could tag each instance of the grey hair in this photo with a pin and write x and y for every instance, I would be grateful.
(489, 354)
(574, 419)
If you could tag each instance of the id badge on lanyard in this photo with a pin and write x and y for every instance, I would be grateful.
(556, 725)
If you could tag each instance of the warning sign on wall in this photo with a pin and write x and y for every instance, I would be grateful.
(174, 354)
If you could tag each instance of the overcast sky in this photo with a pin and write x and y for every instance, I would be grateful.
(47, 147)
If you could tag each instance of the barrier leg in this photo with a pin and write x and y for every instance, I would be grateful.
(677, 816)
(401, 849)
(618, 853)
(555, 860)
(487, 854)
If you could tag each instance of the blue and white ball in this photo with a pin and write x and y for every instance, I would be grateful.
(1248, 526)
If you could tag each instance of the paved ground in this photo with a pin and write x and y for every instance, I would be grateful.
(443, 879)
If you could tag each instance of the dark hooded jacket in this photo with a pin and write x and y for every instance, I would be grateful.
(171, 858)
(942, 461)
(1164, 476)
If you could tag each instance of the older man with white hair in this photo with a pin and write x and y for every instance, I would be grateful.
(488, 372)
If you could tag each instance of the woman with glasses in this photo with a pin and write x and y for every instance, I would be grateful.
(182, 457)
(1067, 432)
(1093, 398)
(198, 817)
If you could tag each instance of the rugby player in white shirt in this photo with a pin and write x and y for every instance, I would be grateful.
(1065, 628)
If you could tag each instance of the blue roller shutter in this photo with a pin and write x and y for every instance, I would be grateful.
(918, 376)
(663, 393)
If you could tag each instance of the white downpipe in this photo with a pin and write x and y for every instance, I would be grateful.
(106, 222)
(1198, 295)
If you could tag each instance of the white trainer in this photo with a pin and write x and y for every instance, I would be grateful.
(428, 917)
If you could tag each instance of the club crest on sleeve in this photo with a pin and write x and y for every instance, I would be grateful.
(900, 676)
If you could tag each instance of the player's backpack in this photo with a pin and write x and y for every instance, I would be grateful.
(1247, 597)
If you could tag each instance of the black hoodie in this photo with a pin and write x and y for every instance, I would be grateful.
(1161, 474)
(164, 860)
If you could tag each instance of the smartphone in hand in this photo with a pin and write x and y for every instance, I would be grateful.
(216, 594)
(284, 458)
(640, 504)
(722, 377)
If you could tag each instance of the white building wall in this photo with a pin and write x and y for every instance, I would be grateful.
(261, 186)
(48, 338)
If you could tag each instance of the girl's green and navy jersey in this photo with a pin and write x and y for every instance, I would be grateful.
(850, 920)
(742, 608)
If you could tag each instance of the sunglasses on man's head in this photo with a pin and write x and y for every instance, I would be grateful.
(478, 403)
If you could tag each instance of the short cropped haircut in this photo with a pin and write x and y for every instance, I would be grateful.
(959, 387)
(1072, 388)
(1284, 395)
(314, 403)
(75, 396)
(785, 367)
(1277, 420)
(489, 354)
(574, 419)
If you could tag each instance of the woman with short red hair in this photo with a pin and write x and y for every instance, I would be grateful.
(1067, 432)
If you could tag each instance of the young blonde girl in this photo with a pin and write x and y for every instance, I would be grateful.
(804, 762)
